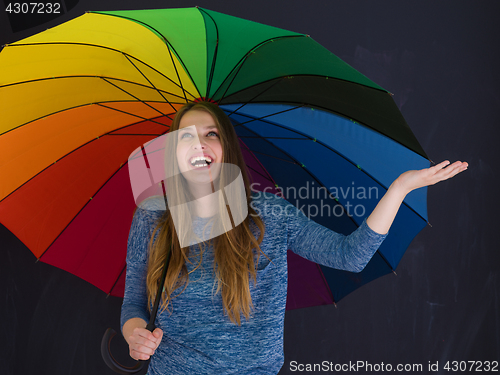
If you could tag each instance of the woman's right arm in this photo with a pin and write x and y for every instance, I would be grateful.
(135, 313)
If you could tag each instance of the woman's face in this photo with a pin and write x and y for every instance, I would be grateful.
(204, 144)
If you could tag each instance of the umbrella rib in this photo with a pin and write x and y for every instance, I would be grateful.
(305, 169)
(236, 69)
(132, 134)
(169, 46)
(75, 149)
(135, 123)
(176, 71)
(263, 117)
(256, 96)
(66, 109)
(385, 260)
(265, 177)
(269, 177)
(249, 136)
(139, 154)
(271, 156)
(115, 50)
(279, 79)
(118, 278)
(81, 209)
(232, 79)
(133, 96)
(77, 106)
(308, 138)
(86, 76)
(212, 68)
(134, 115)
(342, 115)
(151, 83)
(326, 283)
(307, 75)
(305, 137)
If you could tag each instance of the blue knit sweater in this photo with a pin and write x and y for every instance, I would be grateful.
(198, 338)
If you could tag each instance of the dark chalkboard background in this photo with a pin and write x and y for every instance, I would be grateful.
(441, 60)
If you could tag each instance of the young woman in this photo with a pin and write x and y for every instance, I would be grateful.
(223, 305)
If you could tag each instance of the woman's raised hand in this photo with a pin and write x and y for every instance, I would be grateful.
(415, 179)
(380, 220)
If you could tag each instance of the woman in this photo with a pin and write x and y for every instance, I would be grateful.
(224, 304)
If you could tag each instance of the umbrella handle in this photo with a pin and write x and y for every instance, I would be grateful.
(111, 361)
(110, 333)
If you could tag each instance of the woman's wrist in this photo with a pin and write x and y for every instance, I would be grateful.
(398, 189)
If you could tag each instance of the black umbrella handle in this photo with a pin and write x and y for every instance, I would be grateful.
(111, 361)
(110, 333)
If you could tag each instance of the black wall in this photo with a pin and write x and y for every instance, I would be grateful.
(440, 59)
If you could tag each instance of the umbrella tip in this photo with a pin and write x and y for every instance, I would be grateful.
(205, 99)
(394, 272)
(429, 224)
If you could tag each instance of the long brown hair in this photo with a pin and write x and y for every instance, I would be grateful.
(236, 251)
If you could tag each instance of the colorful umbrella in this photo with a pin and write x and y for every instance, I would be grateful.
(77, 99)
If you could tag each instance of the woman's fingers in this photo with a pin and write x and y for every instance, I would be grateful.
(146, 343)
(145, 337)
(139, 356)
(450, 170)
(158, 334)
(415, 179)
(440, 165)
(143, 343)
(138, 351)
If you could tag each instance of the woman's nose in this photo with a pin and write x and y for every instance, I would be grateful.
(199, 144)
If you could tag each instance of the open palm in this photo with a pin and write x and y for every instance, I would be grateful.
(415, 179)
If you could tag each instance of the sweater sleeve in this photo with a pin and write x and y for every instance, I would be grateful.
(322, 245)
(135, 298)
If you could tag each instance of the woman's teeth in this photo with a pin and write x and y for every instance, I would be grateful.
(201, 161)
(200, 165)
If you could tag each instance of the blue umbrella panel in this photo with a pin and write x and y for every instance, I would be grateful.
(335, 170)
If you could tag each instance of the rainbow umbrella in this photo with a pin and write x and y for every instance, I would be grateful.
(77, 99)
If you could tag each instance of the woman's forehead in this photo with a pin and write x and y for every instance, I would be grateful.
(199, 118)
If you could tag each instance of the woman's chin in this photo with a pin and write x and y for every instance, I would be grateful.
(202, 175)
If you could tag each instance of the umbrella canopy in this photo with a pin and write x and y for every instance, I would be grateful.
(77, 99)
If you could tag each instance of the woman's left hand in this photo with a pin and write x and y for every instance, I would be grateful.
(412, 180)
(383, 215)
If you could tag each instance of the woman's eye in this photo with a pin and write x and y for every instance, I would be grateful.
(190, 135)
